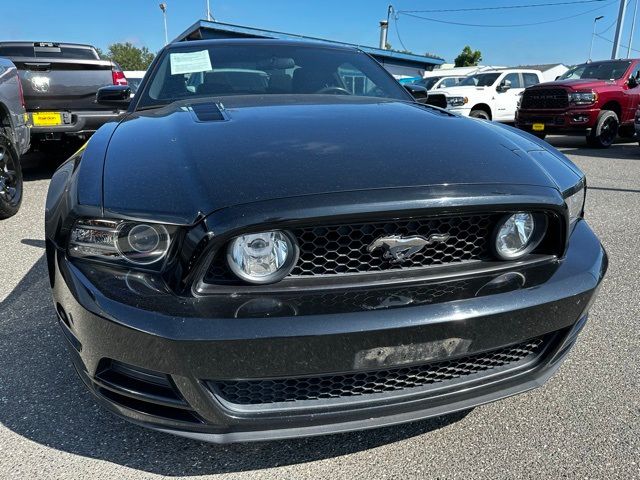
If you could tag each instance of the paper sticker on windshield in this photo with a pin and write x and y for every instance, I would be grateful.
(190, 62)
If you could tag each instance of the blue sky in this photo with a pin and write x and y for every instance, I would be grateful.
(140, 22)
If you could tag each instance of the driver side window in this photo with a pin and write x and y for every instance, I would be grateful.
(514, 78)
(636, 75)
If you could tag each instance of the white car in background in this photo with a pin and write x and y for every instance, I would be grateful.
(134, 77)
(490, 95)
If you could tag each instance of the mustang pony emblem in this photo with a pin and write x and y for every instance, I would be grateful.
(397, 248)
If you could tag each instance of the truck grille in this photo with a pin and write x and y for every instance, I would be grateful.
(269, 391)
(437, 100)
(341, 249)
(545, 98)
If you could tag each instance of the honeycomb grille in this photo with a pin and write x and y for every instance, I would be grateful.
(330, 250)
(260, 392)
(545, 98)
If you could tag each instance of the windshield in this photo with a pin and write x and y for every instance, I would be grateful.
(262, 69)
(480, 80)
(597, 71)
(429, 82)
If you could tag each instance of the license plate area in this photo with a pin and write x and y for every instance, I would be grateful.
(538, 127)
(46, 119)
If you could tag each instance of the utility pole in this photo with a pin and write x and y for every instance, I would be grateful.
(384, 29)
(209, 17)
(618, 37)
(633, 27)
(163, 7)
(593, 35)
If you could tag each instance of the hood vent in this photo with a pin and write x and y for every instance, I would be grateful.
(208, 112)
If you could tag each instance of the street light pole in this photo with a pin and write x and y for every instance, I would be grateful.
(618, 35)
(633, 27)
(593, 34)
(163, 7)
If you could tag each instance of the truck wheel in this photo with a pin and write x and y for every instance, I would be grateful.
(605, 131)
(10, 179)
(479, 114)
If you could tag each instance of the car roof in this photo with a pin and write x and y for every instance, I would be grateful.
(262, 41)
(45, 44)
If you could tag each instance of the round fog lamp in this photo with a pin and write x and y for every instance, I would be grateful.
(514, 235)
(265, 257)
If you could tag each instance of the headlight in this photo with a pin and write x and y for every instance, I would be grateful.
(116, 241)
(583, 98)
(575, 205)
(264, 257)
(457, 101)
(517, 234)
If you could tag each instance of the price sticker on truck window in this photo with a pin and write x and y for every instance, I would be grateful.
(190, 62)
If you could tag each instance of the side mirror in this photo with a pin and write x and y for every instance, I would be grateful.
(558, 77)
(632, 82)
(114, 96)
(504, 86)
(418, 92)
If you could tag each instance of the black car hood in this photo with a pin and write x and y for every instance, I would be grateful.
(171, 163)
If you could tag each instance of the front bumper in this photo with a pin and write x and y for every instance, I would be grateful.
(130, 321)
(577, 121)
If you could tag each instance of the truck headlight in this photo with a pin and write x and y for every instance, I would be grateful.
(265, 257)
(120, 241)
(575, 204)
(457, 101)
(518, 234)
(583, 98)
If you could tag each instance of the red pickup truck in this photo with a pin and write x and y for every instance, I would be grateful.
(596, 99)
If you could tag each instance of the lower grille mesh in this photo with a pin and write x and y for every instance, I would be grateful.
(257, 392)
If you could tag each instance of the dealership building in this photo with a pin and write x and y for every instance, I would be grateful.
(398, 63)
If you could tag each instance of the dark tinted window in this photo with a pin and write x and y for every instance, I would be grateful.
(48, 52)
(261, 69)
(530, 79)
(15, 51)
(514, 78)
(598, 70)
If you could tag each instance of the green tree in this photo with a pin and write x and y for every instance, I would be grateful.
(468, 57)
(129, 57)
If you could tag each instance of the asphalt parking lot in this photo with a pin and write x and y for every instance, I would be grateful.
(584, 423)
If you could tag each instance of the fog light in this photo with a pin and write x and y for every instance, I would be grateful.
(515, 236)
(265, 257)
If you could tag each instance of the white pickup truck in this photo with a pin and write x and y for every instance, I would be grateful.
(491, 95)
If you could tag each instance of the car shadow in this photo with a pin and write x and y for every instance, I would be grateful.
(42, 399)
(622, 149)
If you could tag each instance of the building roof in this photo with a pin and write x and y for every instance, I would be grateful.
(542, 67)
(203, 29)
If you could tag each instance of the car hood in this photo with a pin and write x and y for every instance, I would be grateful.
(174, 163)
(577, 84)
(460, 91)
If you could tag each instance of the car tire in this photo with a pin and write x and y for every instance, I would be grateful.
(10, 178)
(606, 130)
(479, 114)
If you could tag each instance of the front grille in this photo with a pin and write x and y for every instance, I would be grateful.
(437, 100)
(543, 98)
(269, 391)
(336, 249)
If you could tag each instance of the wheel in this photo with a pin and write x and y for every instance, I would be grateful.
(479, 114)
(605, 131)
(10, 178)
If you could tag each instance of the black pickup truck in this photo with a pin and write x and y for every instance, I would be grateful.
(60, 81)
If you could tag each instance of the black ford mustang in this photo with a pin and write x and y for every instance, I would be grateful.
(278, 241)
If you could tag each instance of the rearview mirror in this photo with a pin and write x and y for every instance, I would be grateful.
(417, 91)
(504, 85)
(114, 96)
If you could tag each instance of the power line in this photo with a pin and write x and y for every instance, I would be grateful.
(503, 7)
(429, 19)
(611, 41)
